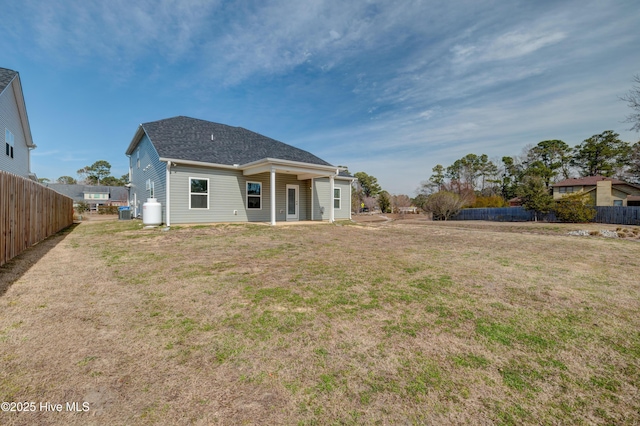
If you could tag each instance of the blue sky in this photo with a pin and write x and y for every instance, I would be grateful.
(391, 88)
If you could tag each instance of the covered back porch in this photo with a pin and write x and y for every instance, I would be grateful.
(305, 174)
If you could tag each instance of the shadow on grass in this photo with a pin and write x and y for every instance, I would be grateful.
(11, 271)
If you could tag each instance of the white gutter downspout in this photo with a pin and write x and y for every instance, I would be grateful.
(350, 200)
(331, 208)
(272, 190)
(168, 194)
(29, 159)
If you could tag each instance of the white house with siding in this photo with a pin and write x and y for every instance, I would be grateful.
(204, 172)
(14, 124)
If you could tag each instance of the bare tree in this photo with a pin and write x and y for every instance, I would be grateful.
(398, 201)
(633, 101)
(443, 204)
(370, 203)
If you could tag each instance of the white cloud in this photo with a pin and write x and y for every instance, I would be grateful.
(38, 153)
(519, 43)
(118, 29)
(415, 85)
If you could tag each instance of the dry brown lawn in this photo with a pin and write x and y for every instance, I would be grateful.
(403, 322)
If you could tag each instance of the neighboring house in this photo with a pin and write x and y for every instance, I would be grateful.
(603, 191)
(204, 172)
(633, 201)
(94, 196)
(15, 156)
(404, 210)
(515, 202)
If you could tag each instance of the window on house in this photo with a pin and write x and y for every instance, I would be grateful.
(254, 195)
(8, 141)
(150, 188)
(336, 198)
(198, 193)
(617, 202)
(138, 158)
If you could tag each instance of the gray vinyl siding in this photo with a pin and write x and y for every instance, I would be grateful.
(345, 199)
(323, 199)
(10, 119)
(227, 196)
(150, 168)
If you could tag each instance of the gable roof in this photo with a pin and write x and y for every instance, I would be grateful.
(77, 191)
(70, 190)
(185, 138)
(588, 181)
(6, 76)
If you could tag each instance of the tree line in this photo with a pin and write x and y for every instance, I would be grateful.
(99, 173)
(367, 195)
(477, 181)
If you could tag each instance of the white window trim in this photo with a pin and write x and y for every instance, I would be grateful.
(339, 199)
(9, 140)
(199, 193)
(247, 195)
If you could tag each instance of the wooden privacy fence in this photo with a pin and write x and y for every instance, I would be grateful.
(29, 213)
(619, 215)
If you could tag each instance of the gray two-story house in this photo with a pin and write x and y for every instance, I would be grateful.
(15, 156)
(204, 172)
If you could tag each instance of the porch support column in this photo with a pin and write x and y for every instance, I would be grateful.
(311, 198)
(331, 187)
(272, 190)
(168, 195)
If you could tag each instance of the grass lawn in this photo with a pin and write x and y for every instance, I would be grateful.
(393, 323)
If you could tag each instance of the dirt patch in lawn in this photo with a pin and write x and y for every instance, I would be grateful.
(419, 322)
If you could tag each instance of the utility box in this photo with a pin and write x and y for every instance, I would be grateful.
(124, 213)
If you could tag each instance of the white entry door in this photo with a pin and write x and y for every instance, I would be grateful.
(292, 202)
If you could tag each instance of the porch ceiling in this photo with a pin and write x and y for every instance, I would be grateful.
(303, 173)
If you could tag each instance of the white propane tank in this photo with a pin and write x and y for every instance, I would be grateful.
(152, 212)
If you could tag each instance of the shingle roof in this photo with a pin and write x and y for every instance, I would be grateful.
(185, 138)
(588, 181)
(77, 191)
(6, 75)
(72, 190)
(118, 193)
(95, 189)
